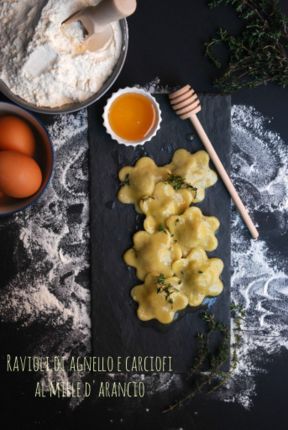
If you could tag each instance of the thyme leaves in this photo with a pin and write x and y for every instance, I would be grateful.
(209, 382)
(259, 53)
(165, 288)
(179, 183)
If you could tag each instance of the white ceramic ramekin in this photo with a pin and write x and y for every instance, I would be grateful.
(108, 127)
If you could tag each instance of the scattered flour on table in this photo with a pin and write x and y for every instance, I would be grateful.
(260, 277)
(51, 287)
(39, 60)
(54, 290)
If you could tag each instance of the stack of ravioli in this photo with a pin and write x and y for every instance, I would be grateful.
(169, 255)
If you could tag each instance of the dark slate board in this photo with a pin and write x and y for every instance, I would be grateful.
(115, 327)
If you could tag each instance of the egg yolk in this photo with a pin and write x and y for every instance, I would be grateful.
(132, 116)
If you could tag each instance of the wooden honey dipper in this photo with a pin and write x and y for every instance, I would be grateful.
(186, 104)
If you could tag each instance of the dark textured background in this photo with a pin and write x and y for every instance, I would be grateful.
(167, 41)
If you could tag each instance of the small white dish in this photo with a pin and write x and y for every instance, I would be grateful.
(152, 133)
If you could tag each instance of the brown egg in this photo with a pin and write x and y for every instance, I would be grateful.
(16, 135)
(20, 176)
(2, 197)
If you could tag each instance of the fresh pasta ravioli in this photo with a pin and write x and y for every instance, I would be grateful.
(163, 203)
(200, 276)
(138, 182)
(159, 298)
(169, 256)
(193, 229)
(152, 253)
(194, 169)
(186, 171)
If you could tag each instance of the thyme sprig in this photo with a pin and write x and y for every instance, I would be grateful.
(258, 54)
(179, 183)
(162, 228)
(210, 381)
(165, 288)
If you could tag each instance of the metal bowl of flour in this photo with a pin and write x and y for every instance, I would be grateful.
(73, 107)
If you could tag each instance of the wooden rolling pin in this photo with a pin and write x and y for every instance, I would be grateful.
(186, 104)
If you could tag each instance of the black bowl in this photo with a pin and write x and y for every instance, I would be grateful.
(44, 156)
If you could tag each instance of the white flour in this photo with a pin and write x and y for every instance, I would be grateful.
(53, 290)
(38, 60)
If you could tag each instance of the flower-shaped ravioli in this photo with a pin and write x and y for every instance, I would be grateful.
(159, 298)
(200, 276)
(152, 253)
(164, 203)
(194, 170)
(193, 229)
(138, 182)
